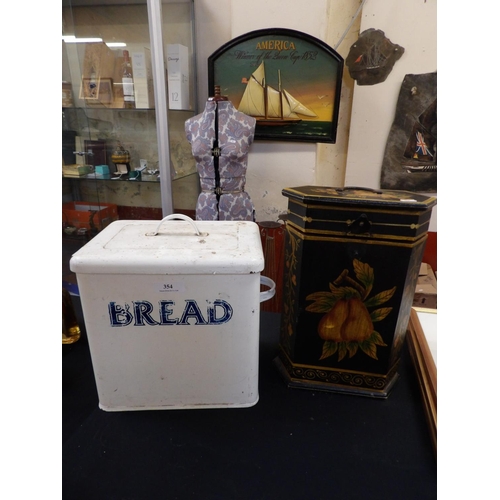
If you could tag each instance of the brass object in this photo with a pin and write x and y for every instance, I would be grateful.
(120, 155)
(121, 158)
(70, 328)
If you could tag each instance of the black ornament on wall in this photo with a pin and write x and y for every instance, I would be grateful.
(372, 57)
(410, 158)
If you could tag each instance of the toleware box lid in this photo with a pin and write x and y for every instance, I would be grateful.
(359, 212)
(172, 247)
(361, 196)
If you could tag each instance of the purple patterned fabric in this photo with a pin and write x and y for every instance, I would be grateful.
(235, 134)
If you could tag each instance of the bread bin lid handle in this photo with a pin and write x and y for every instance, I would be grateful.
(173, 217)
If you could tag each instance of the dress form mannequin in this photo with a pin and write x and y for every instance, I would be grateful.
(220, 139)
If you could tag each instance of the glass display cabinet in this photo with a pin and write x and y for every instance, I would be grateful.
(128, 86)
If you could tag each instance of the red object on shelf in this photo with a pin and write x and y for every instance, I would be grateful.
(82, 214)
(430, 252)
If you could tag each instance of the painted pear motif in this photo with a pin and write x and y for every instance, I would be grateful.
(347, 321)
(347, 325)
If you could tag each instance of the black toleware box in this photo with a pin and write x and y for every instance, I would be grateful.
(352, 259)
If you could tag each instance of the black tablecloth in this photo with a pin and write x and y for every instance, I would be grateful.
(294, 444)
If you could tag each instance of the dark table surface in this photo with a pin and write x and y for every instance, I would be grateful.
(294, 444)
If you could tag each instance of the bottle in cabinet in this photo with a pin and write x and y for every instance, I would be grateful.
(128, 82)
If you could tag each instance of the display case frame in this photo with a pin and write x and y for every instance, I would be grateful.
(158, 164)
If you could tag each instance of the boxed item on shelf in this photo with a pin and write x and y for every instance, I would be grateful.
(143, 77)
(99, 71)
(89, 215)
(426, 289)
(178, 76)
(102, 170)
(75, 170)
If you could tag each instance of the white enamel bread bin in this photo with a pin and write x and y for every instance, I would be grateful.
(172, 311)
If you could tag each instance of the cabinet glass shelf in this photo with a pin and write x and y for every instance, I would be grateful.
(144, 178)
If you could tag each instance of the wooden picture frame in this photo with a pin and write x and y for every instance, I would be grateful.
(288, 80)
(426, 370)
(98, 91)
(89, 89)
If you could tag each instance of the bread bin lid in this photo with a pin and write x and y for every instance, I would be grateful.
(172, 246)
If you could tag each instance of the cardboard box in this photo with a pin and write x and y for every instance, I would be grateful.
(98, 61)
(426, 289)
(75, 170)
(102, 170)
(88, 215)
(143, 77)
(178, 76)
(99, 65)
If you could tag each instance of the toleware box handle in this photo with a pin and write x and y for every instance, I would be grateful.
(357, 188)
(267, 294)
(176, 216)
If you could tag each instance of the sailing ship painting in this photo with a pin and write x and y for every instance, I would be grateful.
(270, 106)
(289, 81)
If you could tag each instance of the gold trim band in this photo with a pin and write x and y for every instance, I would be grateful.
(321, 235)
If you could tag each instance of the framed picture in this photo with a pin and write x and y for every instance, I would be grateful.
(97, 91)
(288, 80)
(89, 89)
(424, 362)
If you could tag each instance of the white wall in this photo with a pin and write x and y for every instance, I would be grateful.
(413, 25)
